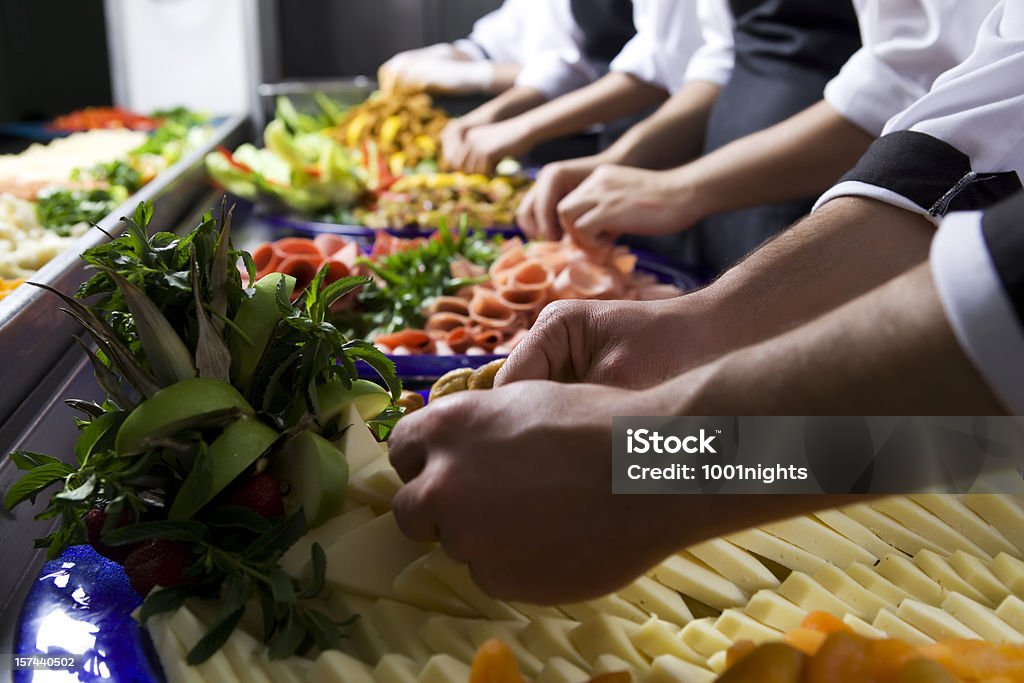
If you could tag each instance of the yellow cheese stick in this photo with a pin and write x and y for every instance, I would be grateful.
(919, 519)
(456, 576)
(1011, 610)
(607, 635)
(669, 669)
(933, 621)
(689, 576)
(894, 627)
(558, 670)
(395, 668)
(608, 663)
(1001, 511)
(171, 652)
(443, 637)
(855, 531)
(367, 559)
(657, 637)
(889, 530)
(978, 576)
(365, 641)
(735, 564)
(908, 576)
(771, 609)
(979, 619)
(189, 630)
(1010, 572)
(718, 661)
(839, 583)
(811, 535)
(943, 574)
(701, 636)
(804, 592)
(735, 625)
(952, 511)
(777, 550)
(444, 669)
(399, 625)
(374, 484)
(877, 584)
(546, 638)
(296, 560)
(417, 586)
(658, 600)
(862, 627)
(536, 611)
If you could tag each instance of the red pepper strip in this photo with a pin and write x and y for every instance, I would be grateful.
(231, 160)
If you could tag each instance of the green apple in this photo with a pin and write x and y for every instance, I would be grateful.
(256, 318)
(315, 474)
(231, 453)
(370, 399)
(356, 441)
(182, 405)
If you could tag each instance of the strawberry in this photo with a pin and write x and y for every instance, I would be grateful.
(94, 521)
(158, 562)
(261, 493)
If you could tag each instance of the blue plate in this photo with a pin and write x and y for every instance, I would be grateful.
(81, 604)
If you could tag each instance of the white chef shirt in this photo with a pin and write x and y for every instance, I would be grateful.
(976, 263)
(960, 146)
(668, 33)
(906, 45)
(542, 36)
(714, 60)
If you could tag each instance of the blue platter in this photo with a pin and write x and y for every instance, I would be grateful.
(311, 226)
(81, 604)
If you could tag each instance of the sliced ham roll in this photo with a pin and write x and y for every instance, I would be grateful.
(459, 340)
(416, 341)
(530, 275)
(446, 321)
(464, 269)
(486, 308)
(584, 280)
(447, 304)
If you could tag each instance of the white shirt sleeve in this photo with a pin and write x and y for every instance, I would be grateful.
(906, 45)
(961, 146)
(667, 35)
(982, 301)
(542, 37)
(714, 59)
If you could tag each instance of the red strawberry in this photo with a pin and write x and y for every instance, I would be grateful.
(94, 521)
(158, 562)
(261, 493)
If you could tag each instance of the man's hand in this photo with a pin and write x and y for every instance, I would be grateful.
(616, 200)
(537, 216)
(516, 482)
(440, 68)
(631, 344)
(484, 146)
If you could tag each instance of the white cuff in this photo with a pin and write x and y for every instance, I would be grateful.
(978, 308)
(856, 188)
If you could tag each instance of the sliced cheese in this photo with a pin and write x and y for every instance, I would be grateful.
(862, 628)
(189, 629)
(606, 634)
(579, 611)
(1011, 610)
(894, 627)
(417, 586)
(357, 442)
(396, 669)
(919, 519)
(296, 560)
(735, 625)
(656, 637)
(399, 625)
(889, 530)
(669, 669)
(616, 606)
(877, 584)
(366, 642)
(443, 636)
(943, 574)
(771, 609)
(536, 611)
(933, 621)
(735, 564)
(855, 531)
(979, 576)
(247, 657)
(546, 638)
(444, 669)
(811, 535)
(805, 592)
(777, 550)
(839, 583)
(1010, 572)
(171, 652)
(558, 670)
(1003, 512)
(456, 576)
(908, 576)
(291, 670)
(701, 636)
(656, 599)
(609, 664)
(368, 558)
(979, 619)
(951, 510)
(718, 662)
(375, 484)
(690, 576)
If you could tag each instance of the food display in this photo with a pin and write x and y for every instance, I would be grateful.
(94, 118)
(25, 244)
(373, 165)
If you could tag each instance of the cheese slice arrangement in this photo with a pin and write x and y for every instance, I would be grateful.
(939, 574)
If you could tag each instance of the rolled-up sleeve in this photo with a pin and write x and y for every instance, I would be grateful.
(977, 263)
(667, 36)
(907, 44)
(961, 146)
(714, 59)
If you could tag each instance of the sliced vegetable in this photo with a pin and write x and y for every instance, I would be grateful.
(255, 321)
(370, 399)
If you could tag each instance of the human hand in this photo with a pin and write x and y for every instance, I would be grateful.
(484, 146)
(615, 200)
(516, 482)
(537, 216)
(632, 344)
(439, 68)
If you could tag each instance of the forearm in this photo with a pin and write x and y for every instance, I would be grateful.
(800, 157)
(614, 96)
(672, 135)
(511, 102)
(505, 76)
(888, 352)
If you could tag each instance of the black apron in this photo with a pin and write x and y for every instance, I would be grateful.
(606, 25)
(786, 51)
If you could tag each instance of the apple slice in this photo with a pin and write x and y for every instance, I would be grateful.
(316, 475)
(183, 405)
(256, 318)
(370, 399)
(238, 446)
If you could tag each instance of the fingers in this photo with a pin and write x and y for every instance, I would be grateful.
(407, 445)
(546, 352)
(415, 511)
(524, 214)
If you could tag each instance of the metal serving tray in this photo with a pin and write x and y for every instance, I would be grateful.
(34, 334)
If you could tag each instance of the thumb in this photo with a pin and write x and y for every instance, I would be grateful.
(543, 354)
